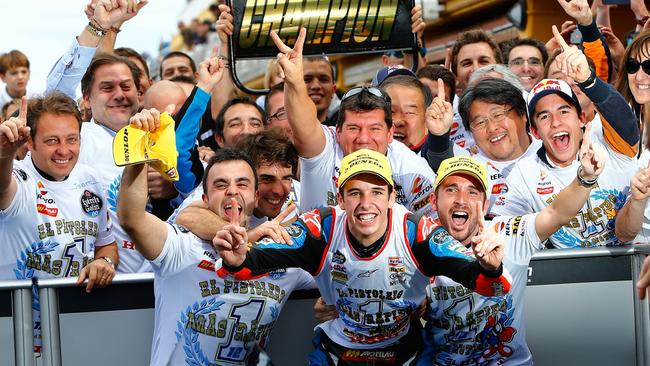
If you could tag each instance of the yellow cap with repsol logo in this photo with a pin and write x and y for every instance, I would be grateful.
(365, 161)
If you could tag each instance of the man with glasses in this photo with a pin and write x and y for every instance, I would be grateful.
(526, 58)
(557, 119)
(364, 121)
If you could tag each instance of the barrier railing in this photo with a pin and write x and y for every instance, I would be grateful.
(619, 265)
(16, 302)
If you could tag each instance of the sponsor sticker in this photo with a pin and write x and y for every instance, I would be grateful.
(91, 203)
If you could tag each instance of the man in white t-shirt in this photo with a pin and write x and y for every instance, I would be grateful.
(203, 314)
(53, 211)
(364, 121)
(557, 119)
(463, 327)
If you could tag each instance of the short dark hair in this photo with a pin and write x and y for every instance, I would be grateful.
(176, 54)
(524, 42)
(275, 89)
(410, 82)
(435, 72)
(183, 79)
(224, 155)
(269, 147)
(55, 103)
(365, 102)
(103, 59)
(497, 91)
(219, 122)
(130, 52)
(321, 58)
(471, 37)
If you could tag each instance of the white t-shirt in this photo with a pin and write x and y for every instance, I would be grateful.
(97, 151)
(411, 173)
(533, 184)
(457, 133)
(51, 229)
(465, 328)
(644, 235)
(205, 318)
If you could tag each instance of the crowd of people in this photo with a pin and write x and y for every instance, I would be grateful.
(395, 199)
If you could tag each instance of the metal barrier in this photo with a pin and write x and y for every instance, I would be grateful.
(16, 302)
(551, 270)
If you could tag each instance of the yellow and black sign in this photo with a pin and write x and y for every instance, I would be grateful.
(333, 26)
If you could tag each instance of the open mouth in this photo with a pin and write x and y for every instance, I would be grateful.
(316, 97)
(498, 138)
(561, 140)
(399, 136)
(365, 218)
(459, 218)
(61, 161)
(228, 210)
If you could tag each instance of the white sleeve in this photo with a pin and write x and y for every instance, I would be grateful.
(176, 251)
(517, 200)
(196, 195)
(304, 281)
(24, 197)
(316, 173)
(105, 229)
(521, 236)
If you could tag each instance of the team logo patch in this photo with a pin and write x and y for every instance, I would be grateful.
(417, 185)
(278, 273)
(499, 188)
(544, 186)
(91, 203)
(44, 204)
(425, 227)
(338, 258)
(442, 237)
(339, 273)
(367, 274)
(365, 356)
(396, 270)
(545, 190)
(207, 265)
(312, 221)
(19, 173)
(295, 231)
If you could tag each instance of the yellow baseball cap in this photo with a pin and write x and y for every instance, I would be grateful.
(462, 165)
(133, 146)
(365, 161)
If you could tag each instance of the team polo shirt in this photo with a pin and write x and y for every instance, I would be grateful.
(97, 151)
(465, 328)
(204, 316)
(411, 173)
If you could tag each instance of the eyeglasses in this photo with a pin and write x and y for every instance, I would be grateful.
(372, 90)
(496, 116)
(632, 66)
(532, 61)
(279, 115)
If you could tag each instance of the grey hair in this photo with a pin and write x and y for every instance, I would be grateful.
(508, 75)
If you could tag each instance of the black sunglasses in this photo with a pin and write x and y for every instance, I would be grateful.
(372, 90)
(632, 66)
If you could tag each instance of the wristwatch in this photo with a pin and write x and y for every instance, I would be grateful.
(586, 183)
(95, 30)
(109, 260)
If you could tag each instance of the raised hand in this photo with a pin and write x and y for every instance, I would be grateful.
(14, 132)
(488, 245)
(571, 61)
(640, 184)
(440, 115)
(592, 156)
(565, 31)
(417, 22)
(273, 229)
(231, 241)
(224, 26)
(290, 59)
(211, 71)
(149, 119)
(578, 10)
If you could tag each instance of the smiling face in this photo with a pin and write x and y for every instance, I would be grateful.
(526, 62)
(500, 140)
(407, 107)
(471, 57)
(320, 84)
(55, 146)
(113, 97)
(366, 198)
(455, 200)
(366, 129)
(559, 126)
(639, 82)
(227, 180)
(238, 120)
(274, 188)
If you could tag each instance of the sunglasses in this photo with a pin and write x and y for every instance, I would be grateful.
(632, 66)
(372, 90)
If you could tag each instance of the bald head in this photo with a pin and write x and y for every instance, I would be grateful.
(164, 93)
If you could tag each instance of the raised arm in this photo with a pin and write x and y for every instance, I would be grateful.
(438, 118)
(226, 89)
(574, 196)
(630, 217)
(308, 135)
(14, 133)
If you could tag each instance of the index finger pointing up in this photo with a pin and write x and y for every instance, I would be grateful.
(481, 216)
(559, 39)
(23, 110)
(234, 211)
(441, 89)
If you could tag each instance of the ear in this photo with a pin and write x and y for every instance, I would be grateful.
(534, 131)
(204, 197)
(384, 60)
(30, 144)
(86, 99)
(391, 132)
(433, 202)
(392, 198)
(340, 200)
(486, 205)
(582, 119)
(220, 141)
(2, 77)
